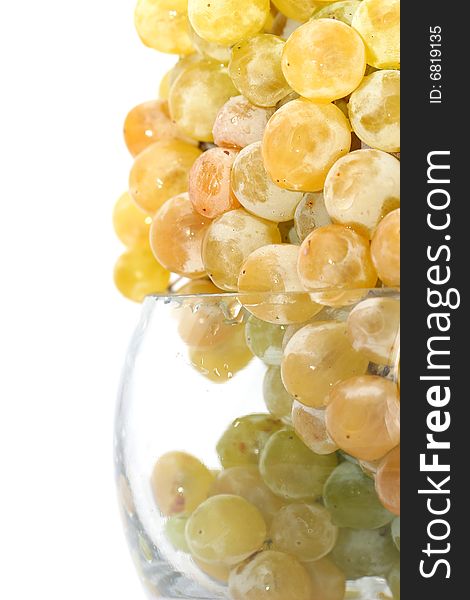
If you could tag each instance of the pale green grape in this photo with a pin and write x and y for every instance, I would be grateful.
(291, 469)
(265, 340)
(310, 213)
(395, 529)
(304, 531)
(393, 580)
(351, 498)
(225, 529)
(270, 576)
(278, 401)
(175, 533)
(364, 553)
(243, 441)
(341, 11)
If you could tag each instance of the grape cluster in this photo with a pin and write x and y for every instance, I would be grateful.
(269, 165)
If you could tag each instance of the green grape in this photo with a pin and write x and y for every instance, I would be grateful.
(291, 469)
(351, 498)
(393, 580)
(243, 441)
(310, 213)
(180, 482)
(247, 482)
(265, 340)
(395, 530)
(225, 529)
(341, 11)
(364, 553)
(329, 583)
(255, 69)
(270, 576)
(304, 531)
(278, 401)
(216, 571)
(175, 533)
(310, 425)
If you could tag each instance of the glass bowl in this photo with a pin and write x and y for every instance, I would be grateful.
(203, 413)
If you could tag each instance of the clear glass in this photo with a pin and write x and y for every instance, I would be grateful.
(169, 402)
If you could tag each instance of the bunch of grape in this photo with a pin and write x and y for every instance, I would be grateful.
(269, 167)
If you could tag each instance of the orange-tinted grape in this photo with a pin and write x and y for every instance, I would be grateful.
(387, 481)
(309, 424)
(385, 249)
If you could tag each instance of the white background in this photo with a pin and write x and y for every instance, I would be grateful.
(69, 71)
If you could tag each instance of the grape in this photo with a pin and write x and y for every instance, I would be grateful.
(255, 69)
(342, 11)
(221, 362)
(160, 172)
(278, 401)
(270, 576)
(309, 424)
(288, 233)
(265, 340)
(387, 481)
(364, 553)
(130, 223)
(324, 60)
(374, 111)
(363, 416)
(209, 183)
(304, 531)
(273, 269)
(210, 49)
(217, 571)
(393, 580)
(256, 191)
(361, 188)
(243, 441)
(197, 96)
(385, 249)
(240, 123)
(350, 497)
(164, 87)
(310, 213)
(300, 10)
(378, 22)
(176, 237)
(137, 274)
(301, 143)
(316, 358)
(230, 240)
(335, 257)
(329, 583)
(374, 328)
(184, 63)
(226, 22)
(246, 482)
(292, 470)
(175, 533)
(225, 529)
(163, 25)
(180, 482)
(395, 531)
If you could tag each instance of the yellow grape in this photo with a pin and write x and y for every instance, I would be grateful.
(160, 172)
(180, 482)
(137, 274)
(378, 22)
(324, 60)
(164, 87)
(240, 123)
(310, 425)
(316, 358)
(130, 223)
(387, 481)
(299, 10)
(385, 249)
(226, 22)
(336, 257)
(302, 142)
(209, 183)
(342, 11)
(272, 268)
(363, 416)
(328, 581)
(270, 576)
(197, 95)
(176, 237)
(255, 190)
(209, 49)
(217, 571)
(163, 25)
(374, 329)
(230, 240)
(255, 69)
(361, 188)
(225, 529)
(374, 111)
